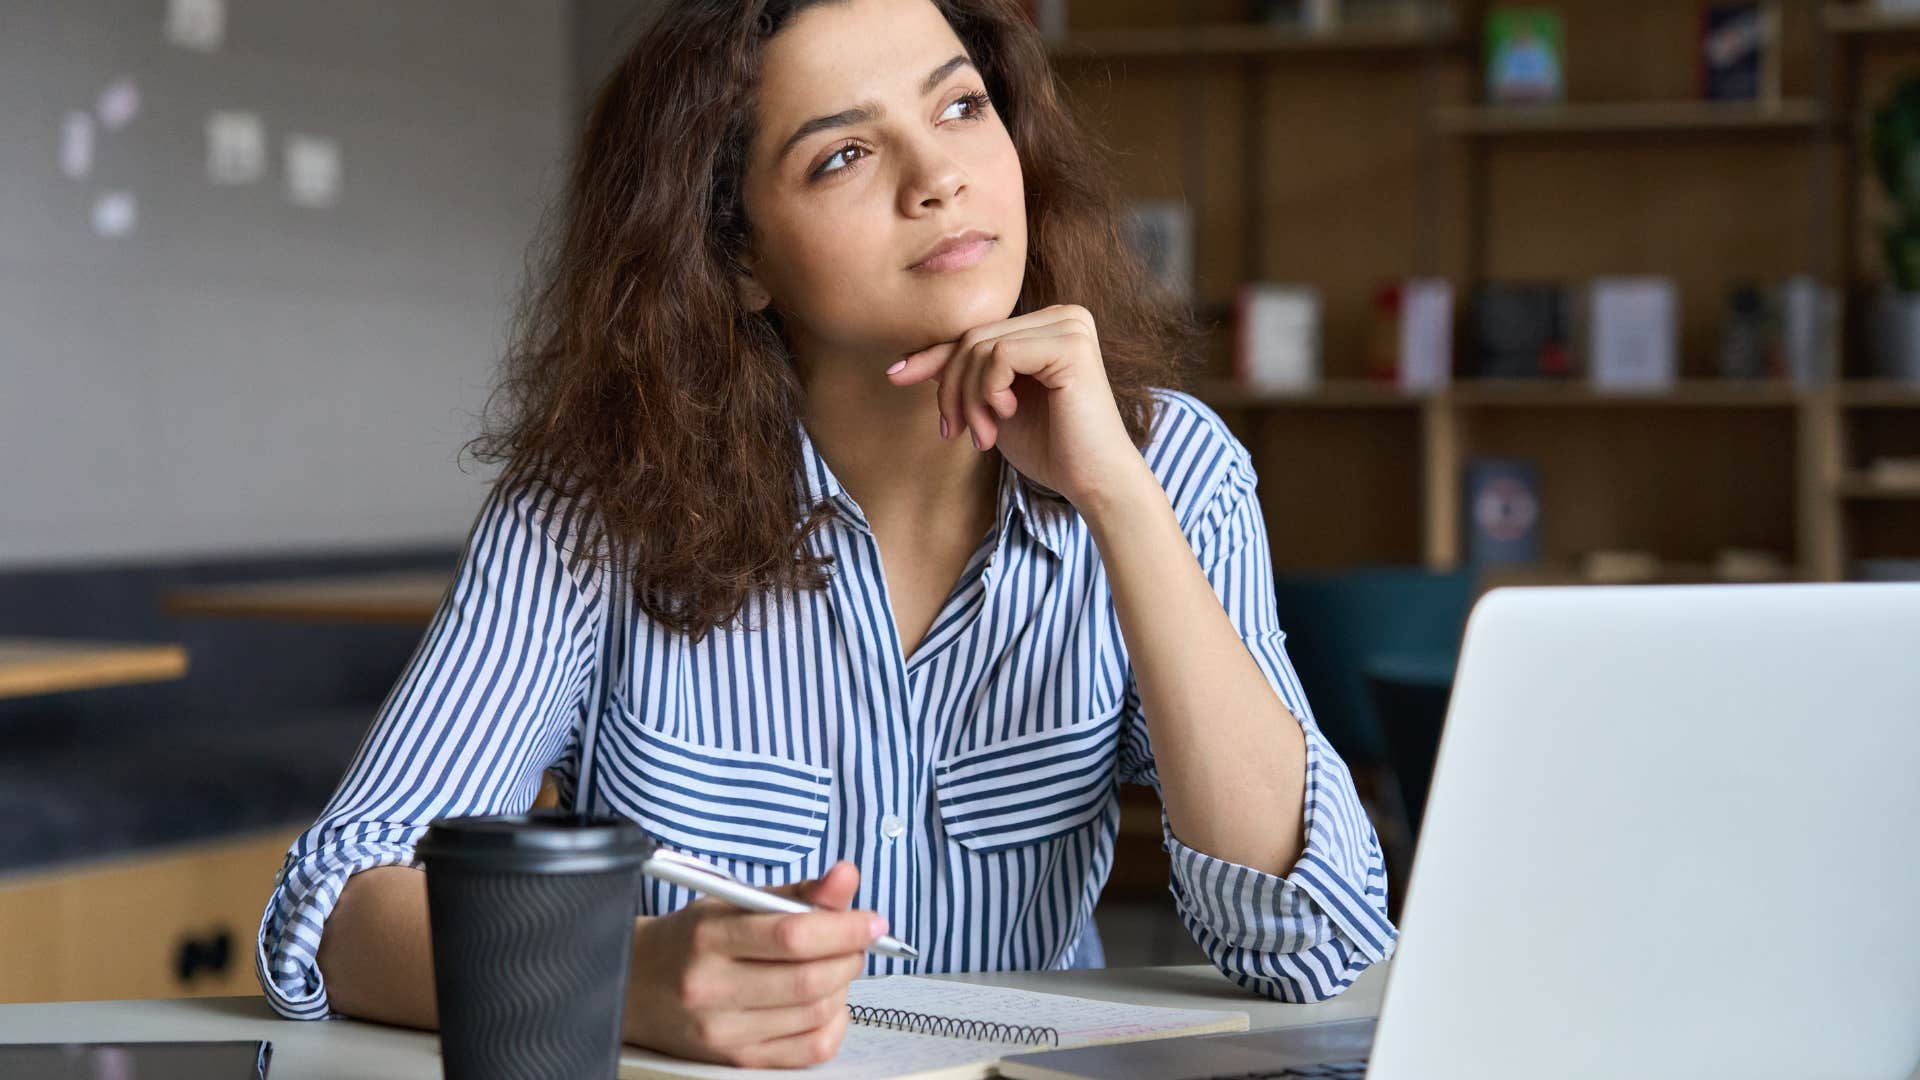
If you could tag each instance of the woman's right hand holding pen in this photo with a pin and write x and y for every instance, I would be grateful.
(713, 982)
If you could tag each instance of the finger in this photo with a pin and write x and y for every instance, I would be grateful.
(765, 984)
(810, 935)
(837, 887)
(964, 406)
(744, 1027)
(806, 1048)
(833, 889)
(928, 360)
(932, 362)
(980, 416)
(918, 366)
(1045, 358)
(988, 384)
(1077, 314)
(949, 394)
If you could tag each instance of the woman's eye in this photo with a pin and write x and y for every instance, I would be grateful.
(825, 168)
(976, 103)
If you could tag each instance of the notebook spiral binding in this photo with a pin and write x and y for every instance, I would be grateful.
(954, 1027)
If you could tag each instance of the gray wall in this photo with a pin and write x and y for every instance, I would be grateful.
(242, 374)
(602, 32)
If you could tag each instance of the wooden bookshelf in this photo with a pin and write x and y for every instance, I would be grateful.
(1567, 573)
(1879, 393)
(1869, 52)
(1789, 116)
(1249, 39)
(1863, 487)
(1378, 160)
(1330, 394)
(1687, 393)
(1863, 19)
(1510, 393)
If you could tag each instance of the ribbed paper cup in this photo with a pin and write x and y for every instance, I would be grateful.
(532, 922)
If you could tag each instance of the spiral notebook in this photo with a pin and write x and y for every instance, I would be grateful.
(910, 1028)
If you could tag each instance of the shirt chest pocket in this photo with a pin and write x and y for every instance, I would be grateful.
(1029, 788)
(731, 805)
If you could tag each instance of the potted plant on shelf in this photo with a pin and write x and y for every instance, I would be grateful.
(1895, 147)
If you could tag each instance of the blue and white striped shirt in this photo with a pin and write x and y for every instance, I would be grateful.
(974, 783)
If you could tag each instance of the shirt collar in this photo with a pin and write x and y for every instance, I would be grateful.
(1043, 514)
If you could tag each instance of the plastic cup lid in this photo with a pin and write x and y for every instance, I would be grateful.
(553, 841)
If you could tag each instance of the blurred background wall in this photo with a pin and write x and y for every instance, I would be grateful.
(238, 372)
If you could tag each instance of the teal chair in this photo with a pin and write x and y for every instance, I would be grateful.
(1338, 621)
(1409, 692)
(1375, 648)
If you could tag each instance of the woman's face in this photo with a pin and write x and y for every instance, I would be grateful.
(872, 145)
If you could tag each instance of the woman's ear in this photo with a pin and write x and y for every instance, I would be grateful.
(750, 291)
(751, 294)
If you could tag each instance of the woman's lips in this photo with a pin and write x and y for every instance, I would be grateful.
(958, 258)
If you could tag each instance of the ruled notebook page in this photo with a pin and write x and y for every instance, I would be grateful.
(875, 1053)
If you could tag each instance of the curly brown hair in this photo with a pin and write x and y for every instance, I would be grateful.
(637, 383)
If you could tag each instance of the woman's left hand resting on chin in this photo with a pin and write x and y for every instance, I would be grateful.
(1059, 426)
(1230, 756)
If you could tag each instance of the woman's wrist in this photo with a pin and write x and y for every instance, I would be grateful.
(1133, 491)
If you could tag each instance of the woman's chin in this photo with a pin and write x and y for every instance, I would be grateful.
(944, 318)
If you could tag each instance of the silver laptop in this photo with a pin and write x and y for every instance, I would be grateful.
(1674, 831)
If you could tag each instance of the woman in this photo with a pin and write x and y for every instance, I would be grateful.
(744, 580)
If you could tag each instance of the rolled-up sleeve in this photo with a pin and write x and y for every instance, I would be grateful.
(1307, 935)
(492, 696)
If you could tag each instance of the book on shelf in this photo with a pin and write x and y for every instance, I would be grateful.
(1895, 473)
(1787, 329)
(1160, 232)
(939, 1029)
(1740, 52)
(1411, 339)
(1313, 16)
(1810, 330)
(1325, 16)
(1276, 337)
(1525, 50)
(1502, 518)
(1750, 342)
(1520, 331)
(1749, 564)
(1895, 335)
(1611, 566)
(1632, 333)
(1886, 569)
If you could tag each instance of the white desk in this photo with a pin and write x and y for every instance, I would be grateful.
(310, 1049)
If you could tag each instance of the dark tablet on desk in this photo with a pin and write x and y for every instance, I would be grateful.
(236, 1060)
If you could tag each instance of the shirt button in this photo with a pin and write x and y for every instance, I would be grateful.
(891, 826)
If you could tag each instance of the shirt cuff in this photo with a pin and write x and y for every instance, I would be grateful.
(1307, 935)
(289, 939)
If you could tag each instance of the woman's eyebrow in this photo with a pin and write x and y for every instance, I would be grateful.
(866, 110)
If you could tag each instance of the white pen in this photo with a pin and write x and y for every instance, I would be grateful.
(708, 879)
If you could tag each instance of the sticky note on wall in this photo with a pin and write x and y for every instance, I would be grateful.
(313, 171)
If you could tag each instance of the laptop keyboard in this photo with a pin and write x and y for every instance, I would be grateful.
(1337, 1070)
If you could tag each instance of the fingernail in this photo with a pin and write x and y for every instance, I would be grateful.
(971, 434)
(878, 927)
(896, 367)
(943, 427)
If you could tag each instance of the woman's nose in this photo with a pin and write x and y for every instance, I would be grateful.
(936, 177)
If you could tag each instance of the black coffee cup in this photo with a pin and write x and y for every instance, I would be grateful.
(532, 924)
